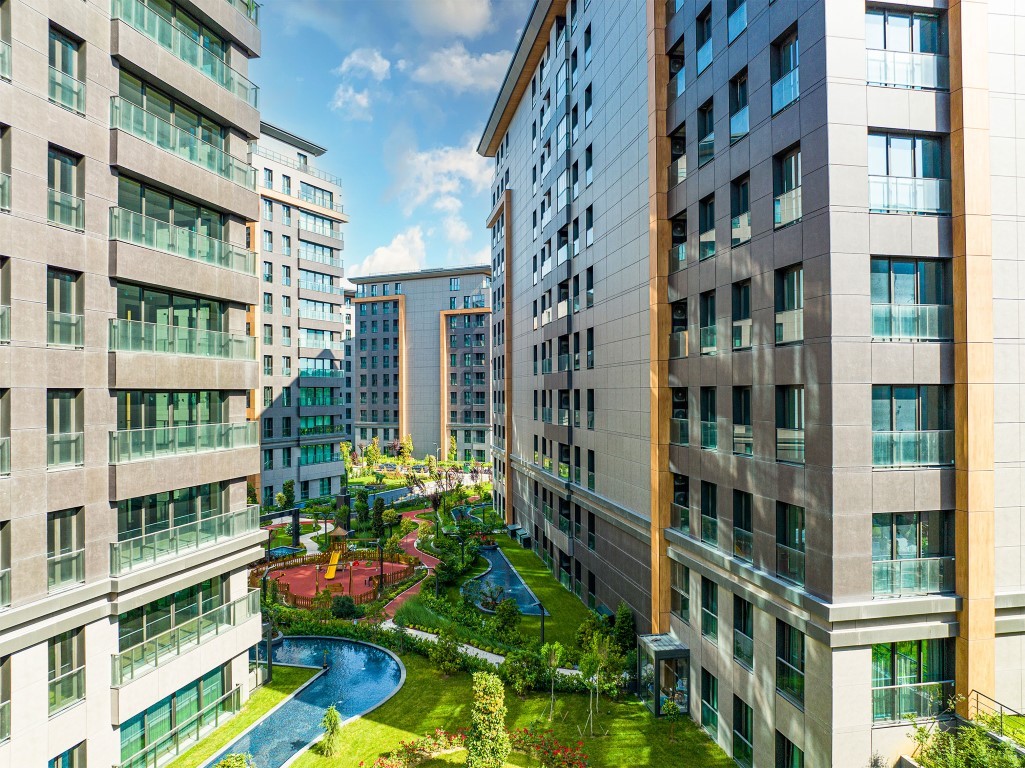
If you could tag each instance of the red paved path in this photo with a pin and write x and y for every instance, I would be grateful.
(409, 547)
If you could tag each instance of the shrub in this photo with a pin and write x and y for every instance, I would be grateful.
(237, 760)
(547, 750)
(344, 607)
(589, 627)
(524, 670)
(487, 742)
(331, 744)
(444, 653)
(624, 631)
(507, 618)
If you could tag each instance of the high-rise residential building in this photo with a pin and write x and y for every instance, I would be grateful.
(124, 370)
(304, 321)
(765, 418)
(421, 361)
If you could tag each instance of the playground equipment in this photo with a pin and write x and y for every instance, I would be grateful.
(332, 565)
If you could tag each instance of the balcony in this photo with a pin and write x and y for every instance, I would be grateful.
(785, 91)
(742, 333)
(790, 564)
(743, 544)
(134, 120)
(678, 171)
(5, 60)
(743, 440)
(156, 338)
(184, 46)
(129, 445)
(790, 445)
(321, 373)
(679, 431)
(895, 703)
(740, 124)
(65, 210)
(323, 429)
(5, 456)
(736, 22)
(65, 690)
(5, 192)
(904, 69)
(563, 417)
(310, 254)
(64, 329)
(706, 244)
(65, 449)
(130, 227)
(909, 194)
(740, 229)
(913, 322)
(145, 550)
(790, 326)
(913, 448)
(743, 648)
(679, 517)
(294, 162)
(677, 257)
(67, 91)
(707, 339)
(710, 530)
(709, 435)
(913, 576)
(706, 149)
(140, 659)
(5, 324)
(65, 570)
(322, 287)
(248, 8)
(704, 57)
(786, 208)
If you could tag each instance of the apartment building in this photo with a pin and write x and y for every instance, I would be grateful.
(124, 370)
(790, 461)
(421, 362)
(304, 320)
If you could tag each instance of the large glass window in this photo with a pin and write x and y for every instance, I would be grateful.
(743, 632)
(908, 173)
(65, 548)
(911, 299)
(171, 111)
(790, 542)
(66, 86)
(912, 425)
(147, 621)
(743, 733)
(785, 83)
(180, 213)
(709, 702)
(787, 754)
(912, 553)
(906, 49)
(709, 610)
(680, 590)
(790, 662)
(147, 409)
(911, 678)
(169, 509)
(66, 672)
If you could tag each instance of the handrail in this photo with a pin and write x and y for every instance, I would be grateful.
(277, 157)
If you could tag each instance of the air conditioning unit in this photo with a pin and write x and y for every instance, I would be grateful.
(678, 147)
(679, 229)
(680, 312)
(675, 65)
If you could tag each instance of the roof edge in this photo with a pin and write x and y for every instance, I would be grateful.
(422, 274)
(288, 137)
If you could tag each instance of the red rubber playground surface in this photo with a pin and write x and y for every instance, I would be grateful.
(303, 580)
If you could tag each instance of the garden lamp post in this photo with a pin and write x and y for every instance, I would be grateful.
(316, 569)
(270, 630)
(541, 606)
(380, 560)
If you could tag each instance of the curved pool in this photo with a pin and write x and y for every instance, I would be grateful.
(359, 677)
(503, 574)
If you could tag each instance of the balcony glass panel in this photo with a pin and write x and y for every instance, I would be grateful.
(907, 69)
(677, 85)
(709, 621)
(742, 333)
(706, 245)
(704, 57)
(790, 564)
(908, 194)
(740, 229)
(5, 192)
(740, 124)
(710, 530)
(786, 208)
(66, 690)
(743, 648)
(789, 681)
(65, 570)
(677, 257)
(5, 455)
(678, 344)
(790, 445)
(679, 517)
(913, 576)
(785, 91)
(743, 544)
(248, 8)
(737, 22)
(678, 171)
(707, 340)
(706, 149)
(926, 322)
(154, 130)
(743, 439)
(131, 227)
(184, 46)
(65, 210)
(709, 435)
(911, 448)
(136, 336)
(5, 60)
(63, 329)
(790, 326)
(67, 91)
(157, 442)
(897, 702)
(5, 324)
(590, 487)
(65, 450)
(679, 431)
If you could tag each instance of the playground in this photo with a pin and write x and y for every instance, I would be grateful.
(353, 578)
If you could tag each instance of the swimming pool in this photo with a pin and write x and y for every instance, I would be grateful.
(359, 677)
(502, 574)
(275, 553)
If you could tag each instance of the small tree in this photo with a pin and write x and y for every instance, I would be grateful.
(372, 453)
(390, 517)
(288, 489)
(487, 742)
(552, 654)
(589, 627)
(507, 619)
(671, 712)
(431, 463)
(378, 518)
(279, 499)
(322, 604)
(589, 674)
(378, 477)
(344, 607)
(444, 653)
(452, 451)
(393, 546)
(331, 744)
(624, 631)
(405, 450)
(346, 450)
(251, 497)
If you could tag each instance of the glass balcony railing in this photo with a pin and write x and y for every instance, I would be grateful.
(740, 124)
(5, 720)
(679, 431)
(743, 544)
(908, 194)
(790, 564)
(296, 163)
(740, 229)
(590, 487)
(136, 336)
(790, 326)
(677, 85)
(5, 324)
(65, 690)
(67, 91)
(743, 648)
(131, 227)
(743, 439)
(5, 455)
(707, 340)
(65, 570)
(5, 60)
(564, 471)
(148, 655)
(898, 702)
(564, 362)
(563, 417)
(742, 333)
(904, 69)
(248, 8)
(704, 57)
(546, 365)
(182, 44)
(924, 322)
(128, 445)
(65, 210)
(913, 448)
(144, 550)
(677, 257)
(64, 329)
(322, 287)
(5, 191)
(785, 91)
(706, 245)
(786, 208)
(706, 149)
(736, 22)
(710, 530)
(678, 344)
(546, 415)
(790, 445)
(133, 119)
(913, 576)
(709, 625)
(677, 171)
(310, 254)
(324, 373)
(65, 449)
(679, 517)
(709, 435)
(789, 681)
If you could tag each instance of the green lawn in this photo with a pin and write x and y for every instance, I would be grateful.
(265, 698)
(282, 538)
(388, 482)
(428, 701)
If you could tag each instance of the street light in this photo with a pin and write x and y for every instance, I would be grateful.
(270, 630)
(380, 559)
(539, 605)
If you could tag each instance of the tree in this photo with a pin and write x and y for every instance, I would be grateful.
(378, 477)
(552, 654)
(523, 669)
(507, 619)
(288, 489)
(487, 741)
(321, 604)
(435, 485)
(391, 517)
(431, 463)
(589, 674)
(343, 516)
(280, 499)
(444, 653)
(372, 453)
(671, 712)
(344, 607)
(589, 627)
(331, 744)
(393, 546)
(378, 518)
(452, 453)
(624, 631)
(406, 449)
(251, 497)
(346, 451)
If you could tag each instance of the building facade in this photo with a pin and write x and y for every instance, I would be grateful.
(124, 371)
(800, 478)
(421, 362)
(304, 319)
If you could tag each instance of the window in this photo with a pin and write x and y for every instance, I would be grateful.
(64, 421)
(268, 365)
(709, 610)
(286, 184)
(703, 32)
(911, 300)
(912, 553)
(785, 83)
(66, 658)
(588, 105)
(679, 423)
(790, 424)
(67, 88)
(742, 315)
(707, 342)
(268, 241)
(743, 431)
(911, 678)
(790, 662)
(790, 542)
(743, 632)
(790, 305)
(906, 50)
(740, 122)
(453, 283)
(73, 758)
(268, 272)
(65, 549)
(268, 396)
(706, 133)
(587, 45)
(706, 228)
(787, 755)
(64, 317)
(268, 459)
(268, 209)
(268, 178)
(709, 426)
(740, 210)
(65, 207)
(736, 18)
(908, 174)
(912, 425)
(709, 702)
(709, 513)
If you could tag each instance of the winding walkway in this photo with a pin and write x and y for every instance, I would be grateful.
(408, 544)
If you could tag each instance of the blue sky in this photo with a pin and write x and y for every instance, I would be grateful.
(398, 91)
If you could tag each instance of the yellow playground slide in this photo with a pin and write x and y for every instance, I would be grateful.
(332, 565)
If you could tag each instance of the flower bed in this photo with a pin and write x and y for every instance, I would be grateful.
(538, 744)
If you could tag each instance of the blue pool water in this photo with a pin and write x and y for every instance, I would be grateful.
(358, 678)
(276, 552)
(504, 575)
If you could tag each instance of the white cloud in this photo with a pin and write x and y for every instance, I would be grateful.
(457, 231)
(448, 204)
(463, 18)
(458, 69)
(440, 175)
(355, 105)
(406, 252)
(365, 61)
